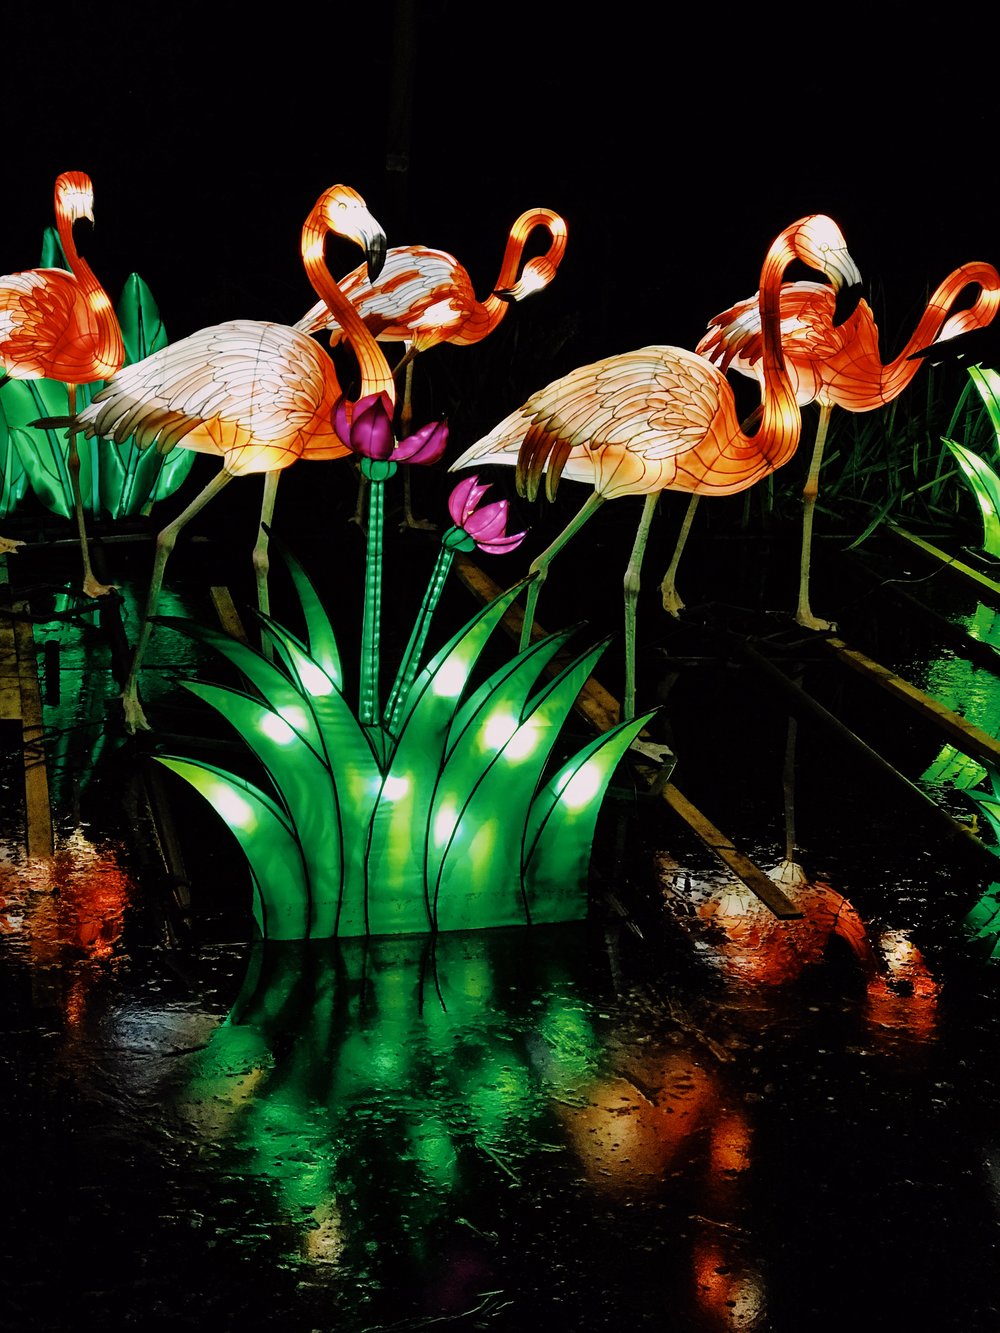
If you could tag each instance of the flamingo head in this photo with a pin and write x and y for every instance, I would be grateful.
(74, 196)
(819, 242)
(345, 213)
(536, 275)
(538, 272)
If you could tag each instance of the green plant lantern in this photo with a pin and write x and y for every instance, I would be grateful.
(446, 810)
(981, 476)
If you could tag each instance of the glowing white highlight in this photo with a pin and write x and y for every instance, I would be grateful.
(449, 681)
(237, 812)
(581, 788)
(316, 682)
(498, 730)
(277, 729)
(444, 824)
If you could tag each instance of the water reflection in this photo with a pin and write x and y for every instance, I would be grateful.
(741, 939)
(67, 915)
(395, 1094)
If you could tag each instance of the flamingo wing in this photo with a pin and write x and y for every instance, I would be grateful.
(47, 329)
(421, 296)
(811, 346)
(624, 424)
(257, 393)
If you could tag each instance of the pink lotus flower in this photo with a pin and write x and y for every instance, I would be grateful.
(367, 427)
(485, 526)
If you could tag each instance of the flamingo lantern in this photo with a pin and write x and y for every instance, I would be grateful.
(61, 326)
(424, 297)
(834, 366)
(660, 418)
(257, 395)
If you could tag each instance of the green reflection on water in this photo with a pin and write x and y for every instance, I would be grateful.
(372, 1084)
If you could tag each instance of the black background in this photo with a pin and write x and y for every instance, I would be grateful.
(676, 142)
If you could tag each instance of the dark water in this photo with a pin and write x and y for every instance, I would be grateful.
(679, 1114)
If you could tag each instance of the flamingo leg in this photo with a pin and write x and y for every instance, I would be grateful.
(92, 587)
(668, 588)
(539, 567)
(261, 559)
(804, 615)
(632, 583)
(165, 541)
(789, 873)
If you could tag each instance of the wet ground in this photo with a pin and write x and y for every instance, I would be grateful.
(681, 1113)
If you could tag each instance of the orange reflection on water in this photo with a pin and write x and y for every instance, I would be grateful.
(729, 1293)
(67, 909)
(758, 946)
(902, 997)
(636, 1121)
(663, 1115)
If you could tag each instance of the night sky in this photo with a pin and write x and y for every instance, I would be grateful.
(676, 142)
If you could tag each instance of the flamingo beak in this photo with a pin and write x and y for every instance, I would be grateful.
(846, 302)
(375, 251)
(505, 294)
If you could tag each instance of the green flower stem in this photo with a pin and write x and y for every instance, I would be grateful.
(377, 472)
(455, 539)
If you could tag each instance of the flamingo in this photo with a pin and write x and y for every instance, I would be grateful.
(833, 366)
(425, 297)
(660, 418)
(61, 326)
(255, 394)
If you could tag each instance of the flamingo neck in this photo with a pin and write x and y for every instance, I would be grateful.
(107, 350)
(376, 377)
(777, 437)
(78, 266)
(490, 312)
(898, 373)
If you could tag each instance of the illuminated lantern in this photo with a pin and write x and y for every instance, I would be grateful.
(980, 475)
(835, 366)
(257, 395)
(116, 479)
(446, 815)
(425, 297)
(60, 325)
(659, 418)
(368, 429)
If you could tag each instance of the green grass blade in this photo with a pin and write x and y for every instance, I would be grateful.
(13, 478)
(479, 819)
(562, 822)
(305, 789)
(985, 486)
(42, 453)
(281, 899)
(320, 639)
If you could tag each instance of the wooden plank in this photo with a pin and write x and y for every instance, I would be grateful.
(10, 691)
(969, 738)
(38, 811)
(741, 866)
(948, 560)
(602, 710)
(806, 703)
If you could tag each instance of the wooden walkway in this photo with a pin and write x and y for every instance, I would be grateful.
(21, 702)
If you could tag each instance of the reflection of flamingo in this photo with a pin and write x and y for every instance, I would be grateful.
(660, 418)
(425, 297)
(257, 395)
(61, 326)
(834, 367)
